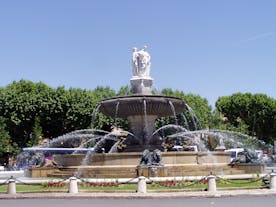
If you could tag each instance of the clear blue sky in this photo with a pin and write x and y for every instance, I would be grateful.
(210, 47)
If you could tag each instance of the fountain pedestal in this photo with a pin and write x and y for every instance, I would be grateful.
(141, 85)
(142, 126)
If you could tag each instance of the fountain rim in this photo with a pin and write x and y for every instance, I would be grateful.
(141, 96)
(138, 111)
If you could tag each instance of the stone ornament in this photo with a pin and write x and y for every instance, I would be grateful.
(141, 62)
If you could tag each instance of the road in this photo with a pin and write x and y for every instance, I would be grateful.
(239, 201)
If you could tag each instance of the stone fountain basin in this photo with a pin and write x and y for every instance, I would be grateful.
(133, 158)
(126, 165)
(125, 106)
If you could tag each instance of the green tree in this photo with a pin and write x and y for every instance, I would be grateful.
(36, 135)
(124, 91)
(5, 144)
(20, 105)
(34, 110)
(256, 111)
(99, 120)
(80, 110)
(7, 147)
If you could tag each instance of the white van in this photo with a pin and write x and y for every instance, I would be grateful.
(234, 152)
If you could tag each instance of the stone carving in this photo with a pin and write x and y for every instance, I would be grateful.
(157, 157)
(151, 158)
(146, 157)
(141, 62)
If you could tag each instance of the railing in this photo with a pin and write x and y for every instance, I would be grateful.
(209, 182)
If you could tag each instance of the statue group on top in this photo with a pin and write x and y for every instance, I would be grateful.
(141, 62)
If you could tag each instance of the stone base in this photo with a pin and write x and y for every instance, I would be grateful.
(132, 171)
(141, 85)
(151, 171)
(250, 167)
(127, 165)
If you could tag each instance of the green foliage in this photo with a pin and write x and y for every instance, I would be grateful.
(256, 111)
(101, 121)
(34, 111)
(5, 141)
(36, 134)
(124, 91)
(220, 123)
(20, 104)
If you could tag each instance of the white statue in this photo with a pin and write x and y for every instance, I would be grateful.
(141, 62)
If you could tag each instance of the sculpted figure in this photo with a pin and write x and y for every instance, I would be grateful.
(141, 62)
(157, 157)
(151, 158)
(146, 158)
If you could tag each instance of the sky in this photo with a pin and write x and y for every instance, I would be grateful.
(211, 48)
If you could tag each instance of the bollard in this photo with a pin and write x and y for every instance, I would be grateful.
(11, 186)
(73, 185)
(272, 183)
(212, 186)
(142, 185)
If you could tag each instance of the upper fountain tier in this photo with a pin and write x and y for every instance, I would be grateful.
(126, 106)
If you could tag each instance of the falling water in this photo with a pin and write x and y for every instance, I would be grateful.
(99, 146)
(116, 112)
(186, 124)
(88, 159)
(76, 136)
(231, 139)
(145, 122)
(173, 111)
(95, 112)
(170, 126)
(195, 120)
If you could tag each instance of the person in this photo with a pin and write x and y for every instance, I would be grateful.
(140, 62)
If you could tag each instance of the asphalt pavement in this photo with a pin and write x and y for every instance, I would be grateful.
(175, 201)
(83, 195)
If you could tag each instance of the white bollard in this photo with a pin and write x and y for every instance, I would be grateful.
(272, 183)
(142, 185)
(73, 185)
(212, 186)
(11, 186)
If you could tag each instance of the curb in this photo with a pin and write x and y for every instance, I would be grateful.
(150, 195)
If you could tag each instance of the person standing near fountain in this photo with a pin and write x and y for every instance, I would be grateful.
(141, 81)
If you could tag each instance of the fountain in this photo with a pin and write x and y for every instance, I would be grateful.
(138, 151)
(142, 108)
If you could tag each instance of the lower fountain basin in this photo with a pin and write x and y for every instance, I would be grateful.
(126, 165)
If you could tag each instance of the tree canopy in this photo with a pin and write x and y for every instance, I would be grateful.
(256, 111)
